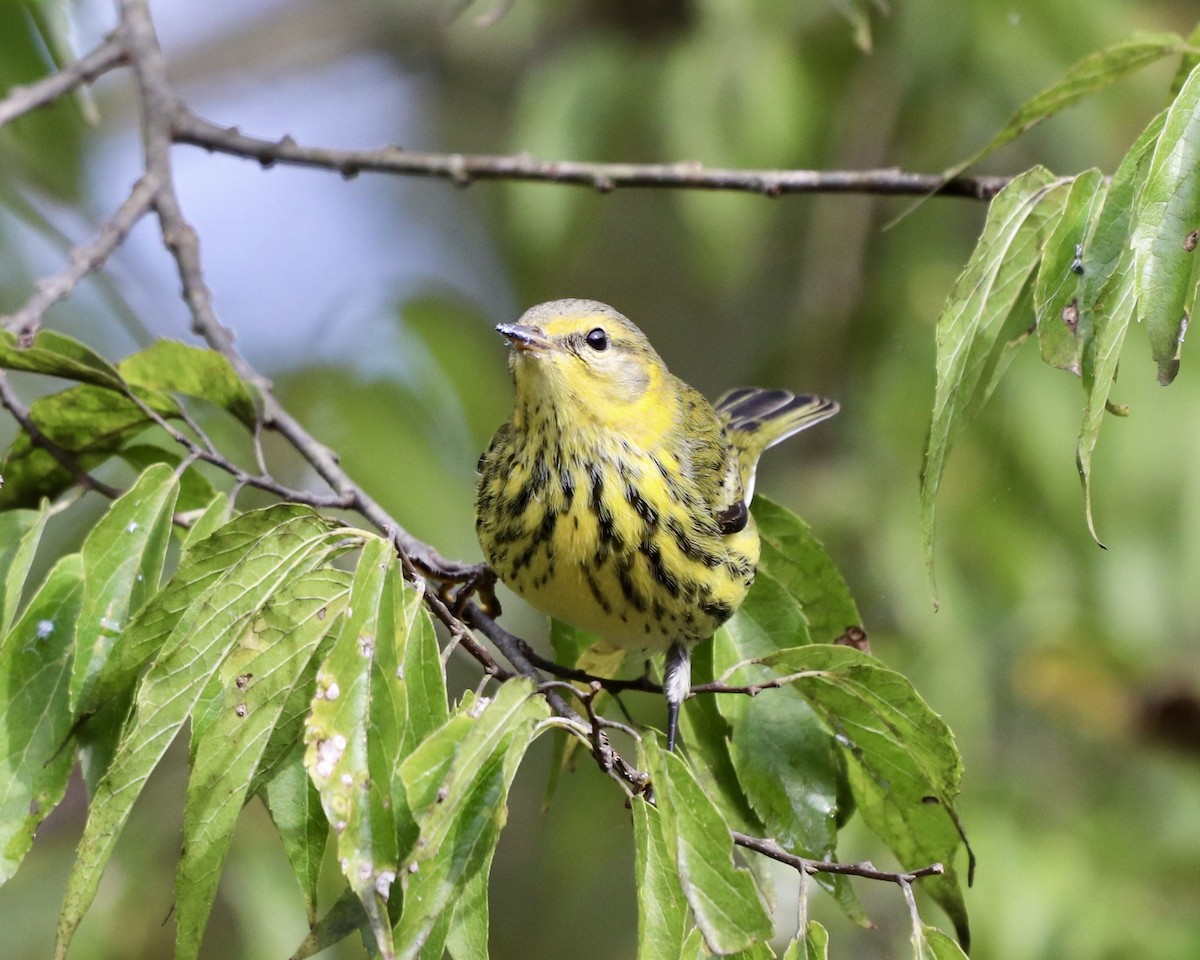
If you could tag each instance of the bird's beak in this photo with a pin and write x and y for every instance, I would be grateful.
(523, 338)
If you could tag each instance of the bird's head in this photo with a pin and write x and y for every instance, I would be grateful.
(582, 360)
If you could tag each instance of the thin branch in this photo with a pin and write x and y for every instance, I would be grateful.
(83, 260)
(20, 100)
(464, 169)
(866, 870)
(63, 457)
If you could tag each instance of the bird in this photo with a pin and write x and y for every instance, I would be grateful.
(616, 497)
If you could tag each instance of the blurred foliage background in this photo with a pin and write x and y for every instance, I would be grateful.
(1069, 674)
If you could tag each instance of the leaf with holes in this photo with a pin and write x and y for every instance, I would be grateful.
(247, 697)
(203, 634)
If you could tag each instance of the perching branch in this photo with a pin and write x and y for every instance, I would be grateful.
(464, 169)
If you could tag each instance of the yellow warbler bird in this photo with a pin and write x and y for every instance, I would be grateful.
(616, 497)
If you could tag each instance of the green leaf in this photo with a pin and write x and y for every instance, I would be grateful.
(122, 563)
(169, 366)
(57, 355)
(705, 738)
(780, 748)
(457, 785)
(662, 908)
(903, 765)
(798, 561)
(203, 634)
(253, 685)
(1167, 213)
(195, 490)
(216, 558)
(20, 534)
(35, 717)
(975, 311)
(1106, 297)
(352, 739)
(1060, 276)
(467, 937)
(929, 943)
(812, 945)
(724, 901)
(295, 808)
(216, 513)
(785, 758)
(1089, 76)
(90, 423)
(338, 922)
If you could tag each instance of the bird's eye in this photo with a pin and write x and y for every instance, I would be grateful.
(597, 339)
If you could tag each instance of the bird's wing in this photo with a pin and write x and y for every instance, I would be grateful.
(756, 419)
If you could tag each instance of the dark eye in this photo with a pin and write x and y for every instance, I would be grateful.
(597, 339)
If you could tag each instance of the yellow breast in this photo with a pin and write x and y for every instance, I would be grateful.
(610, 539)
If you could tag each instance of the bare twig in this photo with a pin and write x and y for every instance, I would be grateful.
(20, 100)
(464, 169)
(83, 261)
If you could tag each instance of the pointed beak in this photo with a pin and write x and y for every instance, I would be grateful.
(523, 338)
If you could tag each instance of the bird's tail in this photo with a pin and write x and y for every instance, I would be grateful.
(757, 419)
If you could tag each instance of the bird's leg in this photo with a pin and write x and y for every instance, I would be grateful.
(677, 683)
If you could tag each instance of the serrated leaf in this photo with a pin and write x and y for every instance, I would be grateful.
(798, 561)
(123, 559)
(1106, 297)
(460, 812)
(206, 561)
(169, 366)
(975, 310)
(251, 689)
(352, 739)
(90, 423)
(785, 758)
(295, 808)
(903, 765)
(57, 355)
(189, 657)
(20, 534)
(1060, 276)
(1168, 211)
(662, 908)
(1083, 79)
(723, 898)
(780, 748)
(35, 716)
